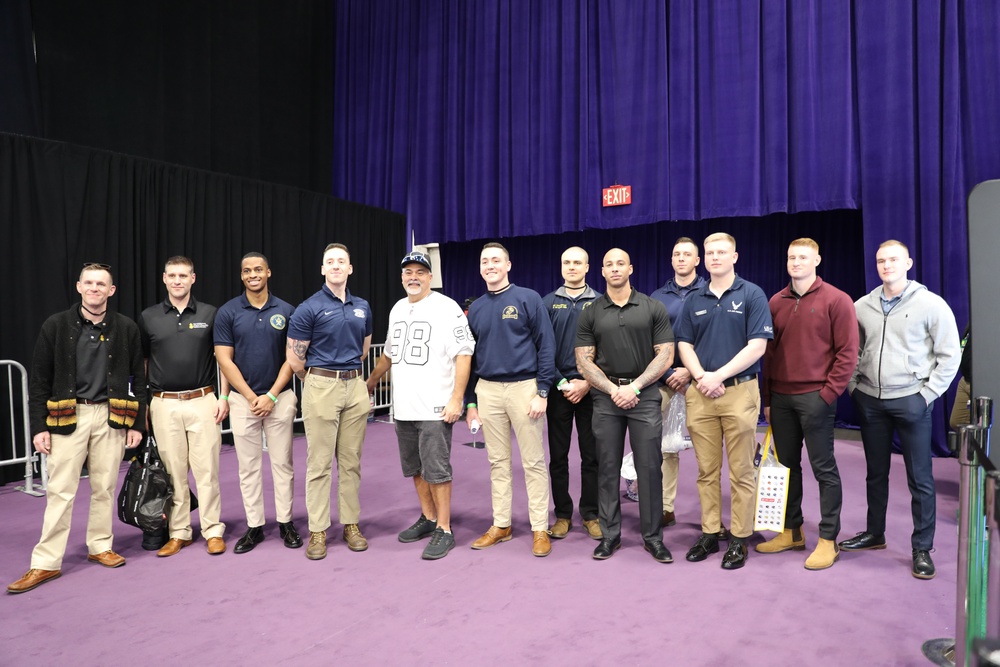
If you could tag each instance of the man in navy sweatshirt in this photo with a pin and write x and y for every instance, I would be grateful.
(910, 353)
(513, 370)
(572, 400)
(806, 368)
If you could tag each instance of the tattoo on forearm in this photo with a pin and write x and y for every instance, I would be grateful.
(298, 347)
(588, 369)
(657, 366)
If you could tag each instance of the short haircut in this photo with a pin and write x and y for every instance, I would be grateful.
(494, 244)
(806, 242)
(97, 266)
(179, 259)
(586, 255)
(720, 236)
(686, 239)
(894, 242)
(251, 255)
(337, 246)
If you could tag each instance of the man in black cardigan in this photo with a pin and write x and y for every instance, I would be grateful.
(86, 402)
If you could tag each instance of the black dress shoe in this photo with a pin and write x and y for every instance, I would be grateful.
(736, 554)
(660, 553)
(706, 544)
(607, 547)
(250, 539)
(290, 535)
(863, 541)
(723, 534)
(923, 566)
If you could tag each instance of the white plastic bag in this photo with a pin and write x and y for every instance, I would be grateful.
(674, 426)
(772, 490)
(630, 476)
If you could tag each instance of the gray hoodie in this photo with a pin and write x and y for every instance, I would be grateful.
(915, 348)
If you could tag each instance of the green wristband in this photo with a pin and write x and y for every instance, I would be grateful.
(272, 397)
(224, 398)
(635, 389)
(472, 405)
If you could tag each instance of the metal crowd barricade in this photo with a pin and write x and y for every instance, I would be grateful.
(382, 395)
(978, 580)
(20, 438)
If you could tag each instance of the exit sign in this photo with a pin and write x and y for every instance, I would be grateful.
(617, 195)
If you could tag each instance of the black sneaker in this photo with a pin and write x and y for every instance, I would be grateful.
(419, 530)
(439, 546)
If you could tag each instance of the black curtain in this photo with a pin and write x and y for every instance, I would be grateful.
(240, 87)
(62, 205)
(20, 109)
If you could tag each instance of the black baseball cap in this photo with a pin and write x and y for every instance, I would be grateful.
(416, 258)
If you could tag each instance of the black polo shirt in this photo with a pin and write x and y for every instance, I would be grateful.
(91, 361)
(179, 346)
(624, 336)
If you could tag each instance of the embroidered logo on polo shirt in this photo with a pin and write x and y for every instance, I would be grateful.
(359, 312)
(558, 306)
(736, 307)
(198, 325)
(278, 322)
(509, 313)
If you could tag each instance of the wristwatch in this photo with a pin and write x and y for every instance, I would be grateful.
(544, 393)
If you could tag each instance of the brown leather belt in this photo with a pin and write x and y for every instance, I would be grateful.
(185, 395)
(337, 375)
(87, 401)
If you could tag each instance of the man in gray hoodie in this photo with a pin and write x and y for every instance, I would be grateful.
(910, 352)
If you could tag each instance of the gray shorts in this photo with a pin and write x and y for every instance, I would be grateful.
(425, 449)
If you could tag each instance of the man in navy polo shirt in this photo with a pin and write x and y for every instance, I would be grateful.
(684, 259)
(250, 333)
(722, 334)
(328, 337)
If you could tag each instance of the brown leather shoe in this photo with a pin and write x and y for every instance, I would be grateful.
(32, 579)
(493, 536)
(560, 528)
(541, 546)
(668, 518)
(216, 546)
(317, 546)
(107, 558)
(355, 540)
(593, 527)
(172, 546)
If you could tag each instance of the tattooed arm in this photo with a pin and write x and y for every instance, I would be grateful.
(664, 357)
(295, 354)
(591, 373)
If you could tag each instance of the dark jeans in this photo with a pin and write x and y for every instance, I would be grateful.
(910, 418)
(798, 416)
(644, 423)
(560, 416)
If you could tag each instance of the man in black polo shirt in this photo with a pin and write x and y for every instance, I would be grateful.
(624, 343)
(177, 342)
(86, 401)
(250, 333)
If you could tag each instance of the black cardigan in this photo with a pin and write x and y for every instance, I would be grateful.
(52, 382)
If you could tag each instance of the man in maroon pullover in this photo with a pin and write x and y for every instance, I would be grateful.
(807, 367)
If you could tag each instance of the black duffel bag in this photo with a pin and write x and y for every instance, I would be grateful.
(146, 494)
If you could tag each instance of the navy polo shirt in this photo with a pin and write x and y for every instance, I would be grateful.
(673, 297)
(720, 327)
(336, 330)
(256, 336)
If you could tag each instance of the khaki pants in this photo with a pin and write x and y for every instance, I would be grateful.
(335, 413)
(102, 447)
(187, 437)
(671, 462)
(503, 405)
(249, 431)
(960, 410)
(733, 418)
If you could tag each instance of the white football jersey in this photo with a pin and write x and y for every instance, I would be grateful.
(424, 339)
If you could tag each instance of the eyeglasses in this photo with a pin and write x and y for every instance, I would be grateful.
(97, 266)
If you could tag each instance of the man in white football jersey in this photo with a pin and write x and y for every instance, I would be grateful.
(429, 348)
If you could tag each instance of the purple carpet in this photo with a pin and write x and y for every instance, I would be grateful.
(272, 606)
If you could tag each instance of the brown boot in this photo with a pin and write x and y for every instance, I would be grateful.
(825, 555)
(788, 539)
